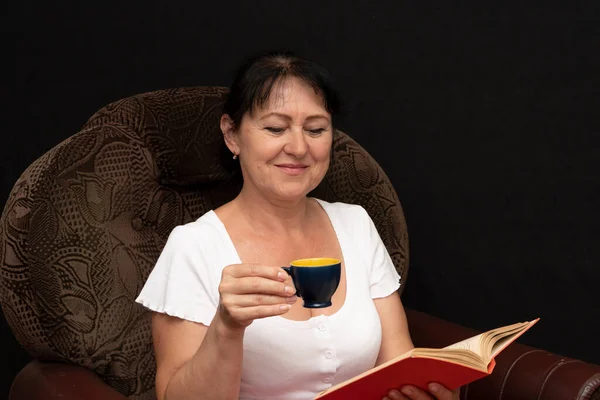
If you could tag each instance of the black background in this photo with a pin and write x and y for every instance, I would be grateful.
(485, 118)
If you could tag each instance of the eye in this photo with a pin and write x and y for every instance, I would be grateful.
(274, 129)
(317, 131)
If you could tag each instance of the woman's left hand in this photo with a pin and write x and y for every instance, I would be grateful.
(436, 392)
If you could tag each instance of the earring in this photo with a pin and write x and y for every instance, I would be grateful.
(235, 156)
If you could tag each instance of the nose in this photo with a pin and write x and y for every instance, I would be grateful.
(296, 144)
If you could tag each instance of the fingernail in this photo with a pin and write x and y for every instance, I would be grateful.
(289, 289)
(434, 387)
(281, 275)
(407, 390)
(285, 307)
(292, 299)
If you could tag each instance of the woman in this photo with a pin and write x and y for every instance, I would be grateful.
(227, 323)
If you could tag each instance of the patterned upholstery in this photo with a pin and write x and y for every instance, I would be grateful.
(85, 223)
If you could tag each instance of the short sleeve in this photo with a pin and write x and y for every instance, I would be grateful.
(183, 282)
(384, 279)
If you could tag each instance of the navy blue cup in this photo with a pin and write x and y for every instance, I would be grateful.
(316, 280)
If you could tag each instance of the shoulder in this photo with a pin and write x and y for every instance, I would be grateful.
(203, 230)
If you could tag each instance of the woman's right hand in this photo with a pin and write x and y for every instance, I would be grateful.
(252, 291)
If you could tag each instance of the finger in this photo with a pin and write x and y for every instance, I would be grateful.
(257, 285)
(456, 394)
(252, 300)
(396, 395)
(414, 393)
(246, 314)
(440, 392)
(265, 271)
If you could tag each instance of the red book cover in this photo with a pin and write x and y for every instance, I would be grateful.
(415, 370)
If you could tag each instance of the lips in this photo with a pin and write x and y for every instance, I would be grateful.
(292, 169)
(291, 165)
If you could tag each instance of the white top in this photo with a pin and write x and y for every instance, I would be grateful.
(283, 359)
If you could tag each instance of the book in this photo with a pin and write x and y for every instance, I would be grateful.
(452, 366)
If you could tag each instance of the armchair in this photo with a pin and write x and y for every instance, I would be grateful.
(85, 223)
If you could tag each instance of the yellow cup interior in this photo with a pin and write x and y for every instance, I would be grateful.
(314, 262)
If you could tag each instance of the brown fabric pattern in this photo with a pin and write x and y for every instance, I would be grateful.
(180, 128)
(85, 223)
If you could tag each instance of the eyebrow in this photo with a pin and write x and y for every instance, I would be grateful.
(285, 116)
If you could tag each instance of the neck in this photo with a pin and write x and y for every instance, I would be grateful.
(279, 217)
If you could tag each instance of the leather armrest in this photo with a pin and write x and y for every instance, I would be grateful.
(41, 380)
(521, 372)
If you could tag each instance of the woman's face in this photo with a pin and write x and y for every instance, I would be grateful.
(284, 147)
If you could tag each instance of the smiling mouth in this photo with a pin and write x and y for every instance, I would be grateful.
(291, 165)
(292, 169)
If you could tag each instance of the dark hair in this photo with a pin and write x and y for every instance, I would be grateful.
(256, 78)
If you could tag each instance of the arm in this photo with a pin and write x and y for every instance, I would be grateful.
(395, 341)
(199, 362)
(395, 338)
(196, 361)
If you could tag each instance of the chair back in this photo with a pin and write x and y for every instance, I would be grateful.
(85, 223)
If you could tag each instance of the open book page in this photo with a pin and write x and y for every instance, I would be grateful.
(499, 345)
(472, 343)
(488, 344)
(458, 356)
(503, 339)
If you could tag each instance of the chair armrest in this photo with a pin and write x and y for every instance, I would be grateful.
(521, 372)
(41, 380)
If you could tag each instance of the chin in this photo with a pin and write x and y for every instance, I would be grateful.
(293, 192)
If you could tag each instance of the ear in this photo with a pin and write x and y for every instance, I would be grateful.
(229, 134)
